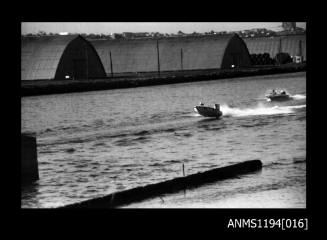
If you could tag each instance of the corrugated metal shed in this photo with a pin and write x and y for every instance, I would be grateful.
(206, 52)
(292, 44)
(127, 55)
(182, 53)
(55, 57)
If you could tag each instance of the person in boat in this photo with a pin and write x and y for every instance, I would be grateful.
(273, 92)
(283, 92)
(201, 104)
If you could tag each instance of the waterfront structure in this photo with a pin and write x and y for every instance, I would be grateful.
(172, 54)
(29, 163)
(72, 57)
(289, 26)
(60, 58)
(294, 45)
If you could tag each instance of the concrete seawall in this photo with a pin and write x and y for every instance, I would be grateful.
(31, 88)
(170, 186)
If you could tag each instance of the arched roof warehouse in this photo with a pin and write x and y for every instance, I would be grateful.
(180, 53)
(56, 57)
(291, 44)
(205, 52)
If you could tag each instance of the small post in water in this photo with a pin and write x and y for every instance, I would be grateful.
(184, 176)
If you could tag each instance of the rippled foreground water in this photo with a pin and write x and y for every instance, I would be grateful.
(94, 143)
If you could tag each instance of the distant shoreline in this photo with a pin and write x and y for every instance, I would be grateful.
(45, 87)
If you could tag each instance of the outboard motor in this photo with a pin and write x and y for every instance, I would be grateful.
(217, 106)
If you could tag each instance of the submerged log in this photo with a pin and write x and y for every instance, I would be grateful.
(153, 190)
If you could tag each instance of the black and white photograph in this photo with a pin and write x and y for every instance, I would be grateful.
(173, 115)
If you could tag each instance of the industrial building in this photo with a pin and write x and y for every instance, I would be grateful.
(59, 57)
(72, 57)
(171, 54)
(294, 45)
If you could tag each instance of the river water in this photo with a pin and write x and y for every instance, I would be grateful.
(94, 143)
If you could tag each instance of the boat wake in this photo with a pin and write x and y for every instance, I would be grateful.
(260, 109)
(195, 114)
(299, 97)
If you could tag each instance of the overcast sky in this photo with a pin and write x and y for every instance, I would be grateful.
(162, 27)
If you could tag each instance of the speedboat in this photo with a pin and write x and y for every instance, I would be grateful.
(281, 95)
(206, 111)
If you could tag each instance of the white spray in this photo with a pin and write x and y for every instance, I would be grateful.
(260, 109)
(299, 97)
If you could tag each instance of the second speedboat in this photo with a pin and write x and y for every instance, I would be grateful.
(281, 95)
(208, 111)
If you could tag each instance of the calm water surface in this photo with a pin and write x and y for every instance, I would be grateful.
(94, 143)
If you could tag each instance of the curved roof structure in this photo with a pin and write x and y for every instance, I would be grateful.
(204, 52)
(292, 44)
(180, 53)
(59, 57)
(127, 55)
